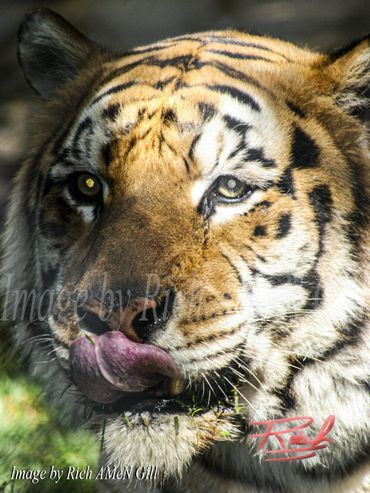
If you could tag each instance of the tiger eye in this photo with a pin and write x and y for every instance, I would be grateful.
(230, 187)
(88, 185)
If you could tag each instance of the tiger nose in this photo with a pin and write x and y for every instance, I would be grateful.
(135, 323)
(138, 320)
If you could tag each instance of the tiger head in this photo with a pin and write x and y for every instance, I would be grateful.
(195, 211)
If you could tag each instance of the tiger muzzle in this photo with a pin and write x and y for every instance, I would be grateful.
(118, 361)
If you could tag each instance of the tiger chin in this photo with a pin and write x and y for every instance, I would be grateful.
(186, 246)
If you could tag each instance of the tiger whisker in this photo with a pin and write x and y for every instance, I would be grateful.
(221, 389)
(241, 395)
(210, 386)
(245, 380)
(38, 338)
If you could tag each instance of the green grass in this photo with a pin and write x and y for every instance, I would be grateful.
(31, 437)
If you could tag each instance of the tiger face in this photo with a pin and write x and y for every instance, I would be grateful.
(196, 211)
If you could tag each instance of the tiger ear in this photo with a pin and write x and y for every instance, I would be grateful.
(51, 51)
(350, 69)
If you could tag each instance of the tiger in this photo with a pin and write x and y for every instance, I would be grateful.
(191, 223)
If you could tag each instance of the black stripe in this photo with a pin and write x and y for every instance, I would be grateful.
(280, 279)
(171, 148)
(62, 137)
(152, 61)
(286, 182)
(186, 37)
(180, 84)
(237, 273)
(141, 51)
(235, 74)
(113, 90)
(86, 124)
(163, 83)
(239, 148)
(258, 155)
(160, 140)
(131, 145)
(112, 111)
(169, 117)
(261, 258)
(264, 203)
(182, 60)
(207, 110)
(192, 146)
(285, 393)
(247, 44)
(310, 282)
(64, 157)
(284, 225)
(106, 152)
(236, 125)
(124, 70)
(297, 111)
(305, 152)
(241, 96)
(321, 201)
(352, 331)
(187, 166)
(240, 56)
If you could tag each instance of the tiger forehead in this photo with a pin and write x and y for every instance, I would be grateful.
(214, 62)
(205, 92)
(206, 133)
(167, 61)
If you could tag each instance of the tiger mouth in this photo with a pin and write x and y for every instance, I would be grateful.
(158, 401)
(121, 375)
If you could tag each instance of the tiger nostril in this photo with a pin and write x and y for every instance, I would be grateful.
(136, 320)
(154, 317)
(92, 322)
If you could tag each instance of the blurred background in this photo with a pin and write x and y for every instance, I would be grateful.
(30, 435)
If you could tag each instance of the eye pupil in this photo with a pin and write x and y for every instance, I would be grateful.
(90, 183)
(231, 188)
(231, 184)
(85, 188)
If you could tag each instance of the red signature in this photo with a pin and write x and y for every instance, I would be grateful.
(299, 441)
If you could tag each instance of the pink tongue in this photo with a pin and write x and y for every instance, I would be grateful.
(104, 366)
